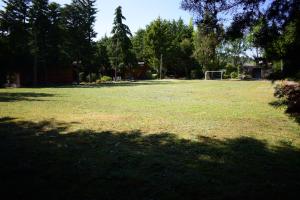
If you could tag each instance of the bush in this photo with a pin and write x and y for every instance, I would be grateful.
(148, 74)
(277, 75)
(230, 68)
(106, 78)
(196, 74)
(225, 76)
(289, 92)
(82, 77)
(234, 75)
(154, 76)
(93, 77)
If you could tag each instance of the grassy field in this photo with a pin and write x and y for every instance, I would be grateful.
(167, 139)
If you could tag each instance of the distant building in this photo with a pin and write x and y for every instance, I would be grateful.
(261, 71)
(46, 76)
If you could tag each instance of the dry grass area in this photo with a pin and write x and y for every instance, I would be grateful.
(189, 109)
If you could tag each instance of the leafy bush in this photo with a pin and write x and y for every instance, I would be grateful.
(91, 76)
(246, 76)
(234, 75)
(277, 75)
(226, 76)
(148, 74)
(106, 78)
(82, 77)
(289, 92)
(196, 74)
(230, 68)
(154, 76)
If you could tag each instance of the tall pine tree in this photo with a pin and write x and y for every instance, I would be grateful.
(39, 32)
(121, 54)
(14, 36)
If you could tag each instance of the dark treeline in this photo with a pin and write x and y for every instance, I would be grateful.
(36, 36)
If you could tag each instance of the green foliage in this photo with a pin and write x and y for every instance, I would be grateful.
(139, 46)
(14, 35)
(207, 38)
(234, 75)
(82, 77)
(101, 56)
(154, 76)
(79, 18)
(106, 79)
(230, 68)
(289, 93)
(38, 35)
(121, 44)
(92, 77)
(196, 74)
(157, 41)
(173, 41)
(272, 27)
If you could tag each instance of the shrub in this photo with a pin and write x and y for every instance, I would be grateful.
(246, 76)
(154, 76)
(225, 76)
(82, 77)
(148, 74)
(230, 68)
(277, 75)
(93, 77)
(234, 75)
(196, 74)
(289, 92)
(105, 79)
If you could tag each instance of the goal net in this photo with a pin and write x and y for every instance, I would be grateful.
(214, 75)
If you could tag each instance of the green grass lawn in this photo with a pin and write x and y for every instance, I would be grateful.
(167, 139)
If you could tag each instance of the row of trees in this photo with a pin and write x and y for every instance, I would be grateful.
(183, 50)
(42, 34)
(271, 27)
(36, 35)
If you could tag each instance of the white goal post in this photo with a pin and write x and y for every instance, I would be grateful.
(212, 72)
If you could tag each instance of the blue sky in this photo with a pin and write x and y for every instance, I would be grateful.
(138, 13)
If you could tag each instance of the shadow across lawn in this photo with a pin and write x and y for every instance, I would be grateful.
(38, 161)
(22, 96)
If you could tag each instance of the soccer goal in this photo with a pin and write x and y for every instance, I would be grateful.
(214, 75)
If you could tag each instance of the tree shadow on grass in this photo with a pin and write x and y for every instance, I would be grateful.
(39, 161)
(22, 96)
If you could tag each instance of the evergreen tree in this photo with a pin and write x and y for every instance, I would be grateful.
(14, 36)
(138, 42)
(39, 23)
(79, 19)
(158, 41)
(101, 56)
(121, 54)
(56, 53)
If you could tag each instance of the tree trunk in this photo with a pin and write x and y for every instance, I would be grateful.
(35, 72)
